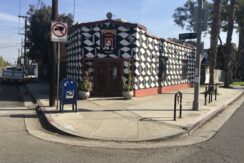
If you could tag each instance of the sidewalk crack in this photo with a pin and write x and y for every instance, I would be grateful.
(94, 131)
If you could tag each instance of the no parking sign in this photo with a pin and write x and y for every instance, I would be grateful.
(59, 32)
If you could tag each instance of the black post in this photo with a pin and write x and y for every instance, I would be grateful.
(178, 96)
(52, 63)
(209, 94)
(216, 91)
(175, 107)
(212, 89)
(180, 104)
(206, 94)
(25, 55)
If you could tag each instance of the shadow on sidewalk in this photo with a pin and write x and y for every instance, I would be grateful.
(23, 116)
(2, 109)
(112, 110)
(94, 98)
(57, 111)
(156, 119)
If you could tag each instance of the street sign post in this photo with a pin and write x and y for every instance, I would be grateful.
(59, 31)
(184, 36)
(199, 51)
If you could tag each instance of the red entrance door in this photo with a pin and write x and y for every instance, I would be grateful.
(108, 77)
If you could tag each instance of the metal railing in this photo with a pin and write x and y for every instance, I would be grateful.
(178, 98)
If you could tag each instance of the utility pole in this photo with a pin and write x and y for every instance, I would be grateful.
(22, 59)
(21, 48)
(199, 51)
(25, 55)
(52, 62)
(74, 12)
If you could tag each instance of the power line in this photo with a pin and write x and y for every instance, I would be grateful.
(7, 29)
(9, 44)
(7, 58)
(8, 35)
(1, 47)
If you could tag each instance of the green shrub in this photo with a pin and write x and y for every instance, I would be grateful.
(85, 84)
(128, 86)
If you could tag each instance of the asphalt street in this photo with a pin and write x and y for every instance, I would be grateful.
(16, 145)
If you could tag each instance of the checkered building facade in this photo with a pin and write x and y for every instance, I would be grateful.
(132, 44)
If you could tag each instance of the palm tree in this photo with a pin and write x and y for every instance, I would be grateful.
(215, 30)
(228, 43)
(240, 22)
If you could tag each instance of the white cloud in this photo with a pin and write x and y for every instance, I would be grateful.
(8, 17)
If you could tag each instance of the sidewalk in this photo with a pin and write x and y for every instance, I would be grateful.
(140, 119)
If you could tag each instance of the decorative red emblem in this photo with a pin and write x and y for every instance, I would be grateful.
(108, 40)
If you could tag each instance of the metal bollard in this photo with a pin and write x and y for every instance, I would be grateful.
(178, 98)
(209, 94)
(180, 105)
(206, 94)
(210, 91)
(175, 107)
(216, 91)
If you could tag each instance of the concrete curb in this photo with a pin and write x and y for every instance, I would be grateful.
(189, 128)
(48, 117)
(211, 114)
(61, 129)
(53, 123)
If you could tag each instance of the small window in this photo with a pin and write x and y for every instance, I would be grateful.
(184, 69)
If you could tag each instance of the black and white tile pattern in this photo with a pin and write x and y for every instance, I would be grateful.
(132, 43)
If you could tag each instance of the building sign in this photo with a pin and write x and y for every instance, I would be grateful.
(108, 40)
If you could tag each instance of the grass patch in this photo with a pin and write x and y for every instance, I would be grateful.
(238, 83)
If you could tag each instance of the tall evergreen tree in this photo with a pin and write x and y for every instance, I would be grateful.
(38, 33)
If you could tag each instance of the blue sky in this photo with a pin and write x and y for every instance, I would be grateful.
(156, 15)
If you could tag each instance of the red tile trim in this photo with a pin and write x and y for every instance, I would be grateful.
(159, 90)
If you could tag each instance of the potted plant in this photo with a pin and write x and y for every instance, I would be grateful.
(127, 87)
(85, 86)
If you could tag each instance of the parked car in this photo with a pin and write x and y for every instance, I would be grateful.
(31, 72)
(12, 74)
